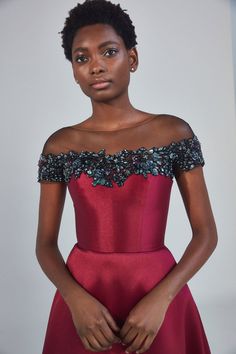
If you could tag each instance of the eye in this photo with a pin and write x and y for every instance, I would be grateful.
(110, 52)
(81, 59)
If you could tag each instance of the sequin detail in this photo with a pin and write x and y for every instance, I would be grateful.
(104, 169)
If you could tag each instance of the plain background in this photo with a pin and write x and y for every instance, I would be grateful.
(186, 69)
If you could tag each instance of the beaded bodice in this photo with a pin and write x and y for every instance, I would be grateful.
(106, 169)
(131, 216)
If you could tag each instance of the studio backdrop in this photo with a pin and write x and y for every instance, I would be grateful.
(186, 69)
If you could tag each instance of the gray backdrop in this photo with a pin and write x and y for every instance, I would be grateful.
(186, 69)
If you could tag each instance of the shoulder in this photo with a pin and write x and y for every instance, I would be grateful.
(58, 141)
(186, 153)
(173, 127)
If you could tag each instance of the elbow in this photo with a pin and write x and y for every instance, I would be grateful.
(208, 238)
(211, 239)
(37, 251)
(215, 239)
(213, 236)
(38, 247)
(43, 246)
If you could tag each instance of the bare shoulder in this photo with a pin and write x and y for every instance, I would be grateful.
(58, 141)
(175, 127)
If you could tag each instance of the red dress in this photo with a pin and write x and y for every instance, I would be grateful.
(121, 205)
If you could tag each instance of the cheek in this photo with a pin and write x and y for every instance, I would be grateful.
(122, 64)
(79, 73)
(78, 70)
(120, 71)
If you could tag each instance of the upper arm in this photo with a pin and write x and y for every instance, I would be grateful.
(52, 189)
(191, 182)
(195, 197)
(51, 204)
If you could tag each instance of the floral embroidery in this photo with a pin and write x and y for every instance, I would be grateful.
(104, 169)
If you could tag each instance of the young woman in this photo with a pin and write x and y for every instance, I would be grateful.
(120, 289)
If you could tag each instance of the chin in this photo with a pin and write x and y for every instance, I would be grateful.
(104, 96)
(104, 99)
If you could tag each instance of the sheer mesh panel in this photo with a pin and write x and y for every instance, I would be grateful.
(159, 131)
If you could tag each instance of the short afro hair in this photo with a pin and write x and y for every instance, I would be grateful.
(93, 12)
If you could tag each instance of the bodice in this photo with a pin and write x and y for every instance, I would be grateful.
(121, 200)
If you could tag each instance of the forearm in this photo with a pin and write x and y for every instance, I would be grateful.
(53, 265)
(196, 254)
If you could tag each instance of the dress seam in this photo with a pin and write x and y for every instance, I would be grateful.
(141, 224)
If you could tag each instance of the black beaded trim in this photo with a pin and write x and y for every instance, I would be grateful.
(107, 168)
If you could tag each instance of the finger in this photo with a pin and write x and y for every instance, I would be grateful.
(136, 343)
(106, 341)
(130, 336)
(145, 345)
(110, 320)
(124, 334)
(94, 343)
(102, 340)
(86, 344)
(108, 334)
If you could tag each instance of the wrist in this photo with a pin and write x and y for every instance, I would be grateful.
(74, 294)
(163, 294)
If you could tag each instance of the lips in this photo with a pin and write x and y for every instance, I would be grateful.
(100, 84)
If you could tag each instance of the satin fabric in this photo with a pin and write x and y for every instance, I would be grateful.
(131, 218)
(119, 257)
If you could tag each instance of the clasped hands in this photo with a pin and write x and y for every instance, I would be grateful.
(98, 330)
(143, 323)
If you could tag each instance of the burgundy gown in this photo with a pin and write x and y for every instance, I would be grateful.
(121, 203)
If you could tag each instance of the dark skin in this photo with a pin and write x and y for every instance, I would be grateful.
(102, 55)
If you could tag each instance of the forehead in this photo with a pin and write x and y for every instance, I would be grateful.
(93, 35)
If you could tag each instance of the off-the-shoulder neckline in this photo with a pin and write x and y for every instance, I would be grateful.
(125, 128)
(102, 151)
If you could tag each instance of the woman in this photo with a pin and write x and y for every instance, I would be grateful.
(120, 288)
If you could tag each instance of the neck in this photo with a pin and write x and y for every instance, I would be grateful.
(114, 113)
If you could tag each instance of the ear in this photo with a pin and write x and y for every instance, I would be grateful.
(133, 59)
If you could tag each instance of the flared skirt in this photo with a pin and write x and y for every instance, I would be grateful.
(119, 281)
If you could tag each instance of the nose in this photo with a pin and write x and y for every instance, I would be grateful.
(97, 66)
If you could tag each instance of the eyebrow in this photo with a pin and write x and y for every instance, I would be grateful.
(83, 49)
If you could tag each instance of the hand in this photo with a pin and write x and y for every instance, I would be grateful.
(93, 323)
(143, 323)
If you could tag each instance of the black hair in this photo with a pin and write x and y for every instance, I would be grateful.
(93, 12)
